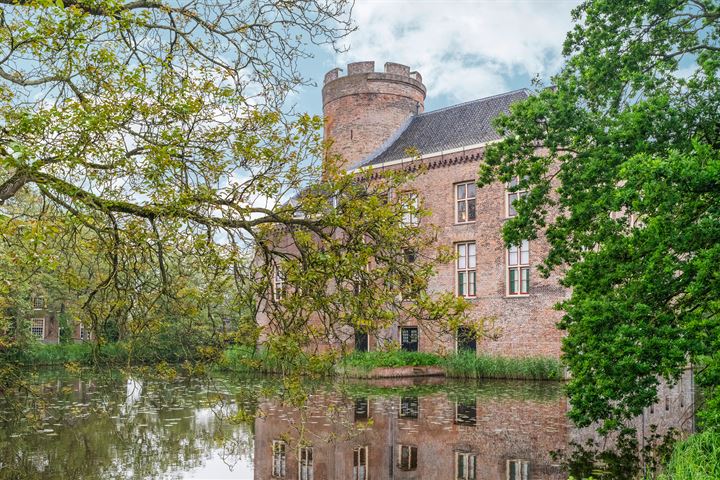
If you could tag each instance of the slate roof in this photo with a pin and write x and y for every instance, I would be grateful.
(445, 129)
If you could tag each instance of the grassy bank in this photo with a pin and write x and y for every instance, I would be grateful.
(697, 458)
(460, 365)
(248, 360)
(39, 354)
(113, 354)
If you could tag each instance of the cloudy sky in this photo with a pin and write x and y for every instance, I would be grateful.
(464, 49)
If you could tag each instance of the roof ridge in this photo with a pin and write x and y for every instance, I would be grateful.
(449, 107)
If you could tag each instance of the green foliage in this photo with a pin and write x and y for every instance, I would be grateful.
(469, 365)
(160, 180)
(459, 365)
(366, 361)
(697, 458)
(621, 161)
(625, 459)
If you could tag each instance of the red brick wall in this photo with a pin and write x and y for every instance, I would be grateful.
(365, 107)
(515, 326)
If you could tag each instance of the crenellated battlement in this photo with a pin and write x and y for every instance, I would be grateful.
(368, 67)
(363, 107)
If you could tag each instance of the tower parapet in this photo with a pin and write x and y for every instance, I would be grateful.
(364, 108)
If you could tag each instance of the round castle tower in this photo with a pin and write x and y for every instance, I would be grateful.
(363, 108)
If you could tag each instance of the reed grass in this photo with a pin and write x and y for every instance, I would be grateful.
(469, 365)
(697, 458)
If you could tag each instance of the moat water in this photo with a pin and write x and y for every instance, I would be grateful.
(111, 425)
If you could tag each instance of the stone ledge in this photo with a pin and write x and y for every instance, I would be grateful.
(404, 372)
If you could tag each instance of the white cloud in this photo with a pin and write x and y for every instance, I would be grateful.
(463, 49)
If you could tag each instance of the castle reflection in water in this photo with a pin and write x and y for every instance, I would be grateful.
(358, 436)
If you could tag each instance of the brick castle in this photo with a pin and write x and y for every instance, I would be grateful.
(374, 119)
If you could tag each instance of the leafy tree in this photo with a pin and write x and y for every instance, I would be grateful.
(621, 162)
(154, 132)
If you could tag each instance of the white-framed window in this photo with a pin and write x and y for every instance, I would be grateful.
(278, 288)
(410, 217)
(279, 459)
(84, 333)
(465, 466)
(518, 470)
(305, 463)
(38, 302)
(465, 267)
(407, 457)
(465, 202)
(511, 197)
(360, 463)
(37, 328)
(518, 269)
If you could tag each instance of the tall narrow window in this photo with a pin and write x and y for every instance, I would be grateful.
(360, 463)
(37, 328)
(362, 409)
(518, 262)
(464, 466)
(279, 459)
(412, 205)
(407, 457)
(518, 470)
(409, 407)
(305, 463)
(84, 333)
(362, 341)
(278, 284)
(466, 269)
(38, 303)
(409, 339)
(465, 194)
(512, 196)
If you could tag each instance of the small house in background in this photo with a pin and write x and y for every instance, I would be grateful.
(46, 324)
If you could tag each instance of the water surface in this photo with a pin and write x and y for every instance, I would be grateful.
(113, 426)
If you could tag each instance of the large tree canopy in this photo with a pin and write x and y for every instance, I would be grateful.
(147, 155)
(621, 160)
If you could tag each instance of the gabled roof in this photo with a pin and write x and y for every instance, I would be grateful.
(448, 128)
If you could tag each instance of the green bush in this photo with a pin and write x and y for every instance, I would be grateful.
(697, 458)
(366, 361)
